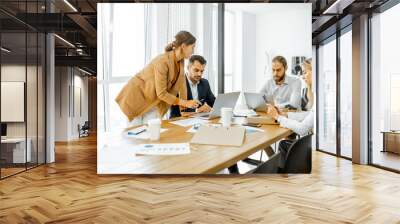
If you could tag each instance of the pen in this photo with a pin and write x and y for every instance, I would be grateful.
(201, 102)
(136, 133)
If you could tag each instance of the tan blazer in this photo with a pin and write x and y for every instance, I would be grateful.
(153, 87)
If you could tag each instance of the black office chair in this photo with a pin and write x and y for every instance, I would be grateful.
(84, 130)
(269, 166)
(298, 159)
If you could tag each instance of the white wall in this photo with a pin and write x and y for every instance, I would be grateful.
(61, 103)
(68, 81)
(80, 82)
(285, 30)
(275, 29)
(16, 73)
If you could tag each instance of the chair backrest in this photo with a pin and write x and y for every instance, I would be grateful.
(86, 125)
(298, 159)
(269, 166)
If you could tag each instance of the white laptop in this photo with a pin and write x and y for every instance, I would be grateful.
(223, 100)
(256, 101)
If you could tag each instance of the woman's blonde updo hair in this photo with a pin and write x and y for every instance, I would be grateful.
(182, 37)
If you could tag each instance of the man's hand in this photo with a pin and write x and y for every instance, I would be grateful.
(189, 103)
(272, 111)
(204, 109)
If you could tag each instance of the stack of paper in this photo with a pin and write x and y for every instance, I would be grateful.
(163, 149)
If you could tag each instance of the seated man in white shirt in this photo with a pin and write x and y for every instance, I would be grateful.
(282, 90)
(302, 123)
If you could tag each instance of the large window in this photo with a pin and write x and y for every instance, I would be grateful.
(327, 97)
(229, 49)
(128, 38)
(328, 138)
(121, 57)
(346, 94)
(385, 84)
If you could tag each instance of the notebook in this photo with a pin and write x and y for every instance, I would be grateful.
(224, 136)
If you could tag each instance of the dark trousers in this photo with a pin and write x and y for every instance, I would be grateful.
(284, 146)
(234, 169)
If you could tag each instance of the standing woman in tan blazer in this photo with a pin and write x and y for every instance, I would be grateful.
(150, 93)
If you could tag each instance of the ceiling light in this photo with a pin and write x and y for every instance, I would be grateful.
(332, 7)
(70, 5)
(84, 71)
(64, 40)
(5, 50)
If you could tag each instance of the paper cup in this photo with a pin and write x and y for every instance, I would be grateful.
(226, 116)
(154, 129)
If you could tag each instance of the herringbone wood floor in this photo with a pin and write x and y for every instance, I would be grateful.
(70, 191)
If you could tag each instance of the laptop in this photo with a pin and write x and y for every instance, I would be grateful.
(223, 100)
(256, 101)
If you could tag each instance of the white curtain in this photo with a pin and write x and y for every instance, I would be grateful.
(199, 19)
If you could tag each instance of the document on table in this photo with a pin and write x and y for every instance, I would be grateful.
(188, 122)
(245, 113)
(253, 129)
(196, 127)
(249, 129)
(163, 149)
(141, 133)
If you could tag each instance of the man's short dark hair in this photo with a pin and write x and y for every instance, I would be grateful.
(281, 60)
(198, 58)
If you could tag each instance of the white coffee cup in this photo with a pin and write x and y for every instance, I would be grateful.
(154, 129)
(226, 116)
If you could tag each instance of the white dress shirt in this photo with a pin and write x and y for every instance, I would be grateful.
(281, 95)
(301, 123)
(193, 89)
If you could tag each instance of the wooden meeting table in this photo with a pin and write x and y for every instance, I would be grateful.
(115, 154)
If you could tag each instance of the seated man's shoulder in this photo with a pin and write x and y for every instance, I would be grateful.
(269, 81)
(294, 79)
(204, 81)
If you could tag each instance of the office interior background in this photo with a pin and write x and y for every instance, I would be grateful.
(48, 83)
(49, 79)
(74, 85)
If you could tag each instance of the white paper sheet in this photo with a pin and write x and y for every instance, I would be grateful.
(188, 122)
(253, 129)
(144, 135)
(246, 113)
(163, 149)
(193, 129)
